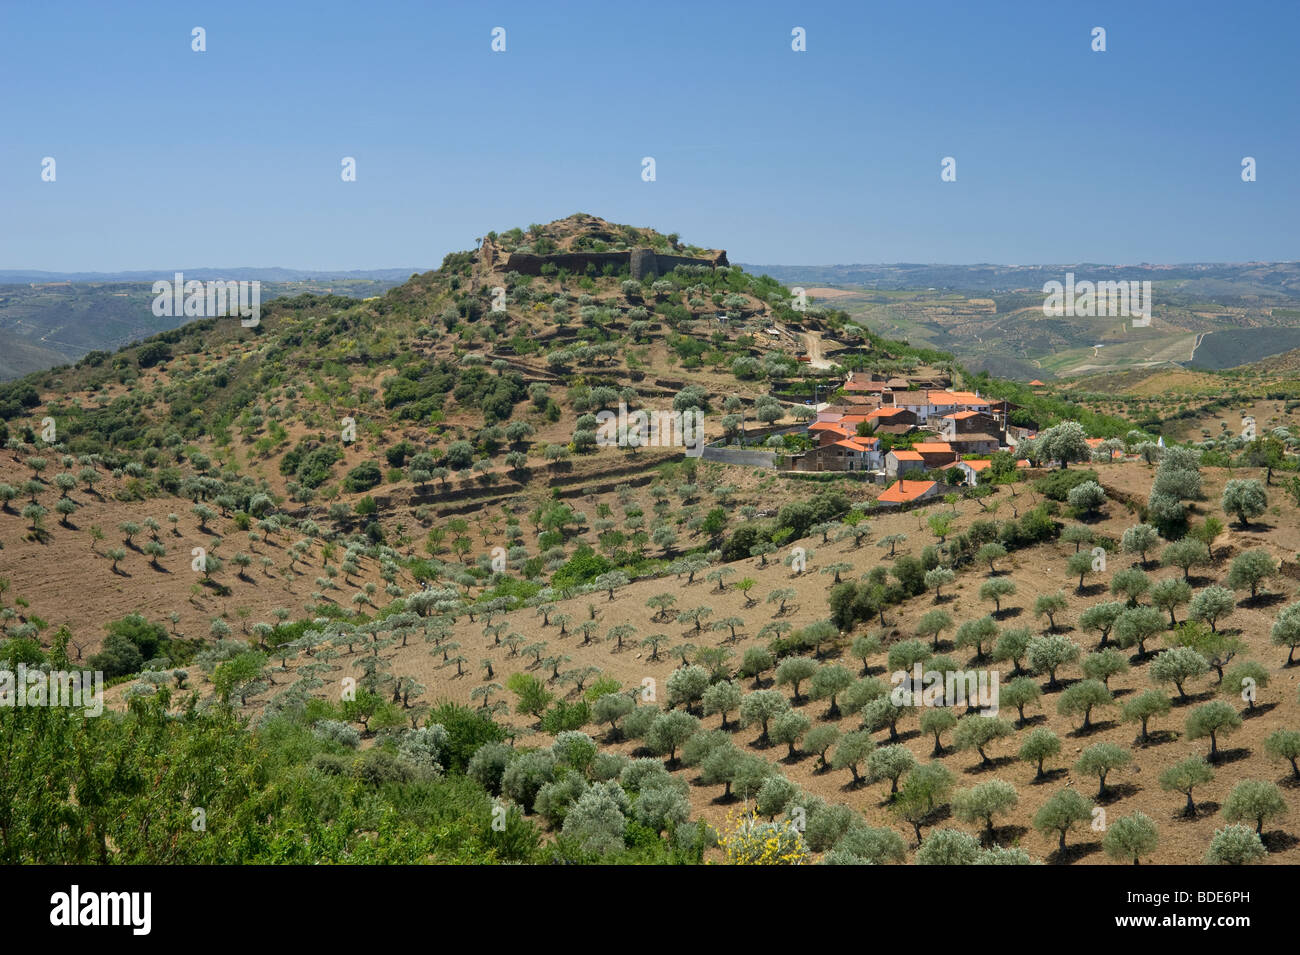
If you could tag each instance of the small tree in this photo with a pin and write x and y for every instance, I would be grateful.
(1211, 605)
(828, 683)
(1104, 664)
(1140, 539)
(760, 707)
(850, 752)
(1254, 800)
(756, 662)
(932, 624)
(977, 634)
(1087, 497)
(1079, 565)
(1130, 583)
(1170, 593)
(1212, 719)
(818, 740)
(1285, 744)
(1049, 605)
(997, 590)
(1131, 837)
(789, 727)
(1101, 759)
(1040, 745)
(1136, 625)
(1019, 693)
(982, 802)
(1177, 665)
(669, 731)
(1012, 646)
(1286, 631)
(937, 720)
(1249, 569)
(977, 732)
(990, 554)
(1184, 776)
(1244, 499)
(1143, 708)
(1083, 697)
(1050, 653)
(793, 671)
(1185, 554)
(1235, 845)
(1061, 813)
(721, 698)
(890, 762)
(938, 578)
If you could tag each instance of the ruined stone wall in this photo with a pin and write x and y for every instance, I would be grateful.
(639, 262)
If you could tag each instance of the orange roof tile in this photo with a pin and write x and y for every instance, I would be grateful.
(900, 492)
(907, 456)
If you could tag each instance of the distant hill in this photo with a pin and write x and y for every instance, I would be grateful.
(247, 273)
(991, 316)
(54, 318)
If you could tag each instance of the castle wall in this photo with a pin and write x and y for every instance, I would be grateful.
(640, 262)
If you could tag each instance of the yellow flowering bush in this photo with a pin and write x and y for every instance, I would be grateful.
(746, 840)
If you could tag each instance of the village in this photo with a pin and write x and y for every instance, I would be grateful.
(915, 434)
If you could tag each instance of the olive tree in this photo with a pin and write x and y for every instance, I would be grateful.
(1249, 569)
(1019, 693)
(851, 750)
(1040, 745)
(1177, 665)
(948, 847)
(1051, 652)
(721, 698)
(982, 802)
(1061, 813)
(1211, 605)
(1254, 800)
(760, 707)
(890, 762)
(977, 732)
(1285, 744)
(1082, 698)
(828, 683)
(1184, 776)
(1286, 631)
(1131, 837)
(937, 720)
(1235, 845)
(1140, 539)
(789, 727)
(1143, 708)
(1100, 760)
(793, 671)
(1244, 499)
(1212, 719)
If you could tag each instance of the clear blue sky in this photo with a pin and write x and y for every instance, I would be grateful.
(171, 158)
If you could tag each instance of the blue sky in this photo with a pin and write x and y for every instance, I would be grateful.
(171, 158)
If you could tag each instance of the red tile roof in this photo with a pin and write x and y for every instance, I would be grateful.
(900, 492)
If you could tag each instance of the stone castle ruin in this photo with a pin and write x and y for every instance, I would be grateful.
(639, 262)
